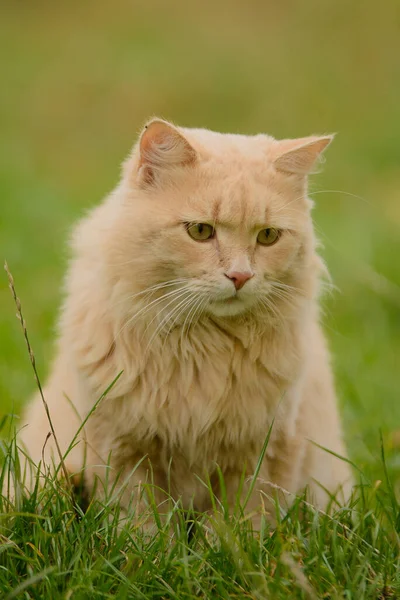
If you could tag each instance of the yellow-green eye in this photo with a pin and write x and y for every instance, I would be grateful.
(200, 231)
(268, 236)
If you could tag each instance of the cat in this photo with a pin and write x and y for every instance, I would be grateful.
(197, 282)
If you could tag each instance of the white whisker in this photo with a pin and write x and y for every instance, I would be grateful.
(166, 318)
(146, 308)
(189, 305)
(284, 295)
(174, 315)
(288, 204)
(187, 319)
(272, 308)
(198, 313)
(152, 289)
(341, 192)
(183, 291)
(285, 286)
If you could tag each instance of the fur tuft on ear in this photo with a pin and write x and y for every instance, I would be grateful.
(300, 156)
(162, 147)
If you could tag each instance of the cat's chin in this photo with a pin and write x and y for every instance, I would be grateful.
(229, 307)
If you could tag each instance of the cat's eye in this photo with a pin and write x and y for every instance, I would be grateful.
(200, 231)
(268, 236)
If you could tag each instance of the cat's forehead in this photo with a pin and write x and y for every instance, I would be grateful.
(229, 145)
(244, 196)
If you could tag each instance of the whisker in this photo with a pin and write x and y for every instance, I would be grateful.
(288, 204)
(284, 295)
(175, 315)
(202, 309)
(285, 286)
(146, 308)
(175, 297)
(341, 192)
(184, 293)
(187, 321)
(165, 319)
(189, 306)
(325, 192)
(198, 313)
(271, 307)
(152, 289)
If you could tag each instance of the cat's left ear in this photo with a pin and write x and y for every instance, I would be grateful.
(300, 156)
(162, 148)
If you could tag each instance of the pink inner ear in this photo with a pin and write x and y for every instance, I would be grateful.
(163, 146)
(152, 137)
(161, 149)
(155, 134)
(146, 143)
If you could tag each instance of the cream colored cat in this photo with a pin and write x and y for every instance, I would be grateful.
(197, 278)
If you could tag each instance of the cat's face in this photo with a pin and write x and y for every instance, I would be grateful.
(221, 220)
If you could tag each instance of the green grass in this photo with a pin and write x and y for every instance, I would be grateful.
(78, 80)
(66, 551)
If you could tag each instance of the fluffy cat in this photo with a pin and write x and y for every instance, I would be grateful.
(198, 278)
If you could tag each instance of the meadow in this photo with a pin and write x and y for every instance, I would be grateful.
(79, 79)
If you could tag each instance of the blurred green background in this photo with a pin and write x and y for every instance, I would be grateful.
(80, 78)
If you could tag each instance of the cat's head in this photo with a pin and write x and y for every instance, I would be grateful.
(214, 222)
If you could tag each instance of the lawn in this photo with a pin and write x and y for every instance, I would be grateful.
(78, 81)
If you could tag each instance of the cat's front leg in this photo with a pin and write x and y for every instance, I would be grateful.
(134, 490)
(247, 496)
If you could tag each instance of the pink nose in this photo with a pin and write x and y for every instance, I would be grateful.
(239, 278)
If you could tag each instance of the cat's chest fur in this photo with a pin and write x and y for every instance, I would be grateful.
(198, 395)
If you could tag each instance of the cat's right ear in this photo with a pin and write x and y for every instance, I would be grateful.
(162, 149)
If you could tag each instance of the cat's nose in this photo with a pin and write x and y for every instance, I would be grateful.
(239, 278)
